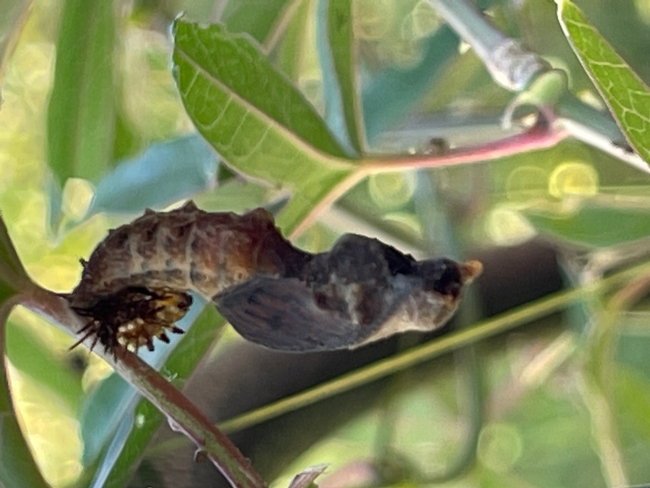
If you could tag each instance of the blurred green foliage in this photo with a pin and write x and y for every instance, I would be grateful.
(93, 130)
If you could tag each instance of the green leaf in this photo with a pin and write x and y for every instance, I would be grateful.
(28, 354)
(594, 226)
(255, 119)
(254, 17)
(80, 119)
(13, 277)
(338, 63)
(17, 467)
(626, 95)
(163, 174)
(131, 441)
(224, 76)
(633, 398)
(104, 409)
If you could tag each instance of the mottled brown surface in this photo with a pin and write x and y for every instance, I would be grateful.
(188, 249)
(272, 293)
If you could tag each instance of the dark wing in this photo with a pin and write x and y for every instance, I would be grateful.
(281, 313)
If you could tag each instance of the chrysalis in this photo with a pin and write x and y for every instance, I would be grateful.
(135, 285)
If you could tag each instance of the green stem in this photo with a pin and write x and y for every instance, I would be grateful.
(542, 135)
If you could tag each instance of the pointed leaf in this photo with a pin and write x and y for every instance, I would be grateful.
(229, 76)
(80, 119)
(255, 119)
(627, 97)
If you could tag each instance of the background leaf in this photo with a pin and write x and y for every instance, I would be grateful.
(390, 95)
(254, 17)
(594, 226)
(255, 119)
(293, 51)
(624, 92)
(80, 118)
(17, 467)
(28, 354)
(165, 173)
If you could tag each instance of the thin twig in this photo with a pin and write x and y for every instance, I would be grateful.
(542, 135)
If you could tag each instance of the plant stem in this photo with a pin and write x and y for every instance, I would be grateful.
(183, 415)
(596, 129)
(509, 64)
(542, 135)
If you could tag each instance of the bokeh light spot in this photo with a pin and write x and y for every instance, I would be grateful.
(573, 179)
(391, 190)
(507, 227)
(526, 182)
(499, 446)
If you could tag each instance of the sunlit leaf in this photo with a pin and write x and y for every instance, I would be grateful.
(29, 355)
(17, 467)
(163, 174)
(624, 92)
(13, 277)
(80, 118)
(255, 119)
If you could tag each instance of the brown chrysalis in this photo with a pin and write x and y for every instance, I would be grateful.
(135, 285)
